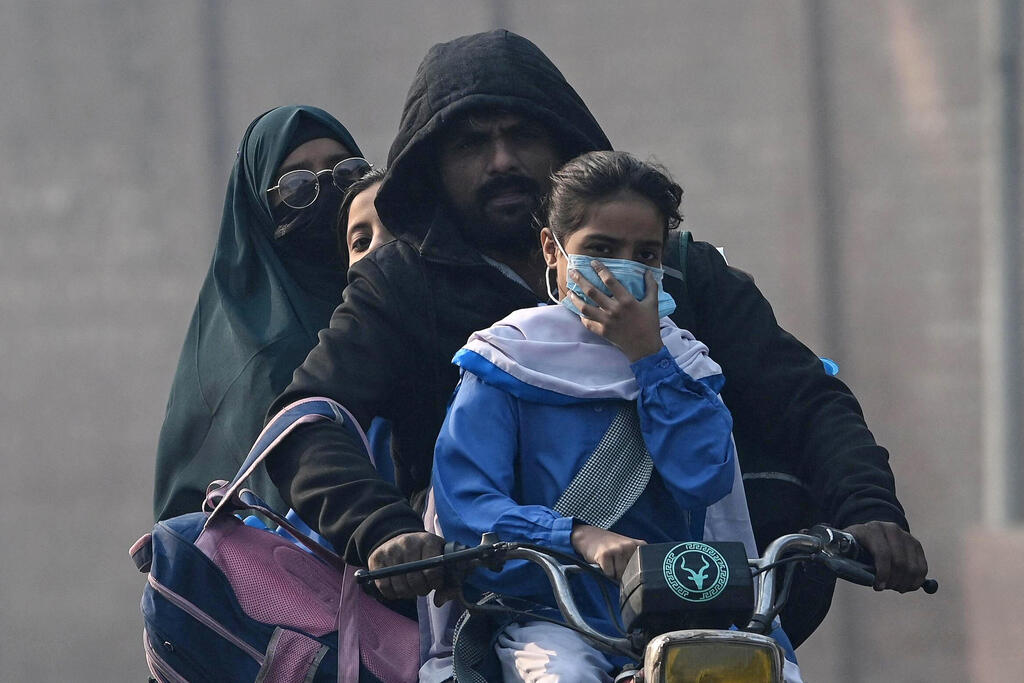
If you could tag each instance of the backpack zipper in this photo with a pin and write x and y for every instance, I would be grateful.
(160, 669)
(205, 619)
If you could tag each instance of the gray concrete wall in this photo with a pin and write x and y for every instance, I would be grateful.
(119, 127)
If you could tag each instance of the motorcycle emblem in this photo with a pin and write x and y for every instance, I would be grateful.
(695, 572)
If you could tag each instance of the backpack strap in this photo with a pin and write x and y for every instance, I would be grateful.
(675, 254)
(228, 497)
(677, 281)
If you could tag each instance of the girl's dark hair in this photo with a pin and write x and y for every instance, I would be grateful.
(600, 176)
(372, 177)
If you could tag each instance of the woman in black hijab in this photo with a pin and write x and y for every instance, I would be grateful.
(276, 277)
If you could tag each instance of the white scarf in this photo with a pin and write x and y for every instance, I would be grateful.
(548, 347)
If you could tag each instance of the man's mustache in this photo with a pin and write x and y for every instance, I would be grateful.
(507, 183)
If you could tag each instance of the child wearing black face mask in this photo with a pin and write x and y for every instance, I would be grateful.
(592, 426)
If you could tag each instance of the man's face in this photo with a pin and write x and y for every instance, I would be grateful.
(494, 169)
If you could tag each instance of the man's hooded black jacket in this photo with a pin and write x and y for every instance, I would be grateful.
(413, 302)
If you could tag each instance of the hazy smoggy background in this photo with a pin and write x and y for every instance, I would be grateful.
(832, 148)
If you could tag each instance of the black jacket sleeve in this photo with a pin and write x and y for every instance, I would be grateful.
(788, 414)
(362, 361)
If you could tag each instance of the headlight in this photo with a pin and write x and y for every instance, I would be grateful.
(703, 656)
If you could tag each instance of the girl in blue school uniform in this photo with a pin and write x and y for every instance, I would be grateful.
(591, 426)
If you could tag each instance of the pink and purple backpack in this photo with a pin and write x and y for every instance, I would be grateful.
(226, 601)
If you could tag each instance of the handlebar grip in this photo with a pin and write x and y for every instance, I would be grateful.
(861, 556)
(858, 555)
(851, 571)
(452, 550)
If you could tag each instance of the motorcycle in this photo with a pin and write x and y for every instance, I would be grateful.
(690, 610)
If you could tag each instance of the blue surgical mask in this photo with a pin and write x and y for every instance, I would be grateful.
(629, 273)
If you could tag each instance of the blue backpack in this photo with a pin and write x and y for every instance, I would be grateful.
(226, 601)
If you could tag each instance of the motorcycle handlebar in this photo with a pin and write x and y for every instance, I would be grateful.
(851, 561)
(453, 553)
(493, 553)
(837, 550)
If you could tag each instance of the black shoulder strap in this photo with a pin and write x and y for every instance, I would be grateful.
(675, 282)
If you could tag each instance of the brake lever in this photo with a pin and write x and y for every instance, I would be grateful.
(852, 561)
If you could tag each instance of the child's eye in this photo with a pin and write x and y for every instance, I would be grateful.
(360, 244)
(647, 256)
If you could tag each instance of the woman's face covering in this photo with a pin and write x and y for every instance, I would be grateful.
(309, 233)
(364, 232)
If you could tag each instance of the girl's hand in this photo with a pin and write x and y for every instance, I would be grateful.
(607, 549)
(629, 324)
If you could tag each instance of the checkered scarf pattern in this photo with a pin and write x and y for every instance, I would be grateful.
(613, 477)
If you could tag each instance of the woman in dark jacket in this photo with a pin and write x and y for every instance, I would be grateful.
(276, 276)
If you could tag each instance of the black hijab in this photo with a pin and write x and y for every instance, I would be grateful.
(260, 308)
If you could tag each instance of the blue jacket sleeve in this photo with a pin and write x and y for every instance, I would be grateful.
(474, 480)
(687, 429)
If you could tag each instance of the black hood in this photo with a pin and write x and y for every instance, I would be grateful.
(493, 69)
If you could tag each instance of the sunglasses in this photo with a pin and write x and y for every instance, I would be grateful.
(299, 189)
